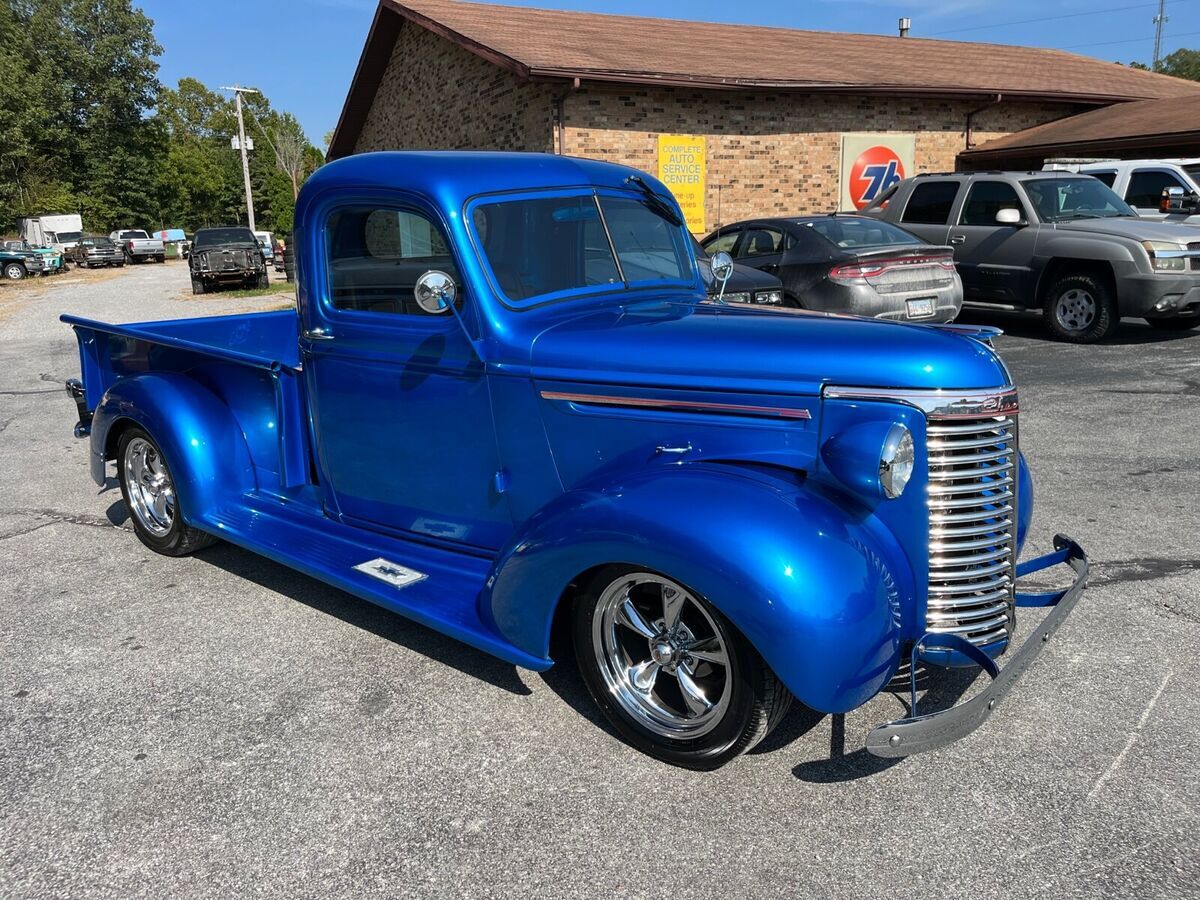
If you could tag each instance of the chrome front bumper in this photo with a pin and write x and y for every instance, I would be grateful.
(904, 737)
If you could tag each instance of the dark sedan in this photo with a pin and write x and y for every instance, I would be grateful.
(744, 285)
(848, 264)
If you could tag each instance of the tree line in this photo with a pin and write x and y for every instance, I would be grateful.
(86, 126)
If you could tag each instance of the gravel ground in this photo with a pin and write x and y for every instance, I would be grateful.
(220, 724)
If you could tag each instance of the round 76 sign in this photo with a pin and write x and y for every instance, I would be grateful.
(873, 172)
(872, 163)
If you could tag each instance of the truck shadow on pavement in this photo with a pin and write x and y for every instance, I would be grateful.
(1131, 332)
(363, 614)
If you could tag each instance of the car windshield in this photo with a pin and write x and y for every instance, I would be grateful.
(96, 242)
(219, 237)
(546, 246)
(852, 232)
(1062, 199)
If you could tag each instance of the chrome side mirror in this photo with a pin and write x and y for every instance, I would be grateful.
(1008, 217)
(722, 266)
(1176, 199)
(435, 292)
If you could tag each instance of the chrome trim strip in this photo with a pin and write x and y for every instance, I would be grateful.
(702, 406)
(939, 403)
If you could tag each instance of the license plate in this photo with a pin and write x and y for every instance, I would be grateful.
(920, 307)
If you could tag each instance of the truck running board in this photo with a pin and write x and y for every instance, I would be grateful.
(435, 587)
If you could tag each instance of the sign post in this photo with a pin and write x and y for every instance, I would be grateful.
(682, 167)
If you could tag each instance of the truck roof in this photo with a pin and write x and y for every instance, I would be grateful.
(454, 176)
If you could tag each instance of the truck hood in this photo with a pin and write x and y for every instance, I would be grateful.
(1134, 228)
(711, 347)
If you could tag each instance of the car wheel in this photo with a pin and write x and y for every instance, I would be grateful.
(1180, 323)
(14, 271)
(672, 674)
(1081, 309)
(149, 491)
(262, 281)
(197, 285)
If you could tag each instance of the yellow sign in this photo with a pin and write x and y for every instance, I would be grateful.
(681, 167)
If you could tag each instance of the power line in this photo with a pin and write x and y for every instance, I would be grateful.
(1074, 15)
(1129, 41)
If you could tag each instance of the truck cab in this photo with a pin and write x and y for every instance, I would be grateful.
(1142, 182)
(506, 408)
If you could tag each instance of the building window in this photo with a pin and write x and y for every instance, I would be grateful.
(930, 203)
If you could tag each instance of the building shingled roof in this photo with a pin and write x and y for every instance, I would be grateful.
(1158, 126)
(557, 44)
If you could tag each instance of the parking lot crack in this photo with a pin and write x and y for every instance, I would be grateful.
(55, 517)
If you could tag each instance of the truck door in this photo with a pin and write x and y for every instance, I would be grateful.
(994, 258)
(927, 211)
(400, 405)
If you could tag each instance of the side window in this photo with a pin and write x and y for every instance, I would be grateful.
(986, 198)
(760, 242)
(1109, 178)
(1146, 187)
(723, 241)
(930, 203)
(376, 255)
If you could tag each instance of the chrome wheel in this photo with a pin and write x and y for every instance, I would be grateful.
(14, 272)
(1075, 309)
(662, 655)
(151, 493)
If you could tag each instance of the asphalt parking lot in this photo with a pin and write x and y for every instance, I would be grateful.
(220, 725)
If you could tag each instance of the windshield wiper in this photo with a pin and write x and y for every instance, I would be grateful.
(1082, 215)
(655, 201)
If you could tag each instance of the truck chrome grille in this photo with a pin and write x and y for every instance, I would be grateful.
(972, 525)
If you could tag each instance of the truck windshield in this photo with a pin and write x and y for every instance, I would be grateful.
(223, 237)
(1061, 199)
(65, 236)
(545, 246)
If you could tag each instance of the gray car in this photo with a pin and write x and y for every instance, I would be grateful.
(1058, 242)
(848, 264)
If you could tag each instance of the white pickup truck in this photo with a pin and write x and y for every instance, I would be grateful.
(1141, 182)
(138, 246)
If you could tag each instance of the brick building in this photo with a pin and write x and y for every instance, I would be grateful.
(782, 113)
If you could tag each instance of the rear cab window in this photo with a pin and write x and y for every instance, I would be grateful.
(931, 203)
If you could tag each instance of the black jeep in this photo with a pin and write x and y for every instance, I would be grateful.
(226, 257)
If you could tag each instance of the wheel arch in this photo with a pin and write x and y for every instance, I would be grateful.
(817, 593)
(1061, 266)
(196, 431)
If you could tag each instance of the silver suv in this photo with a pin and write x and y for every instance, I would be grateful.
(1055, 241)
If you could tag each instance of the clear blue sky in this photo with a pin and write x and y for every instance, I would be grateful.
(302, 53)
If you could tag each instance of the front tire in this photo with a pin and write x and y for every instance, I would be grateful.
(1182, 323)
(673, 676)
(14, 271)
(1081, 309)
(149, 491)
(198, 286)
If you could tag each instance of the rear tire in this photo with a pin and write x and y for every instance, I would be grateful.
(1080, 308)
(1182, 323)
(149, 491)
(664, 686)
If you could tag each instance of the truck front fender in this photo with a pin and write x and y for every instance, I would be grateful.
(816, 589)
(197, 432)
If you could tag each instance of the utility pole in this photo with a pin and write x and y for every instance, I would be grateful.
(1159, 21)
(237, 95)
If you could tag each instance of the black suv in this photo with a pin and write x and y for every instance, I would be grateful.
(226, 257)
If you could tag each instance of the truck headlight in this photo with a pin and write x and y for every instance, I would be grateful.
(896, 461)
(1164, 256)
(774, 298)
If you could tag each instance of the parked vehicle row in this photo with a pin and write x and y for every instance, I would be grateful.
(48, 262)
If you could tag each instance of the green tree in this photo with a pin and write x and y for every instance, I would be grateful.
(1182, 64)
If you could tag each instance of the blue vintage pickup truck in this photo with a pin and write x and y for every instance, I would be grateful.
(507, 410)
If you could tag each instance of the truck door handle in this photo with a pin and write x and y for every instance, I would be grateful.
(958, 239)
(316, 334)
